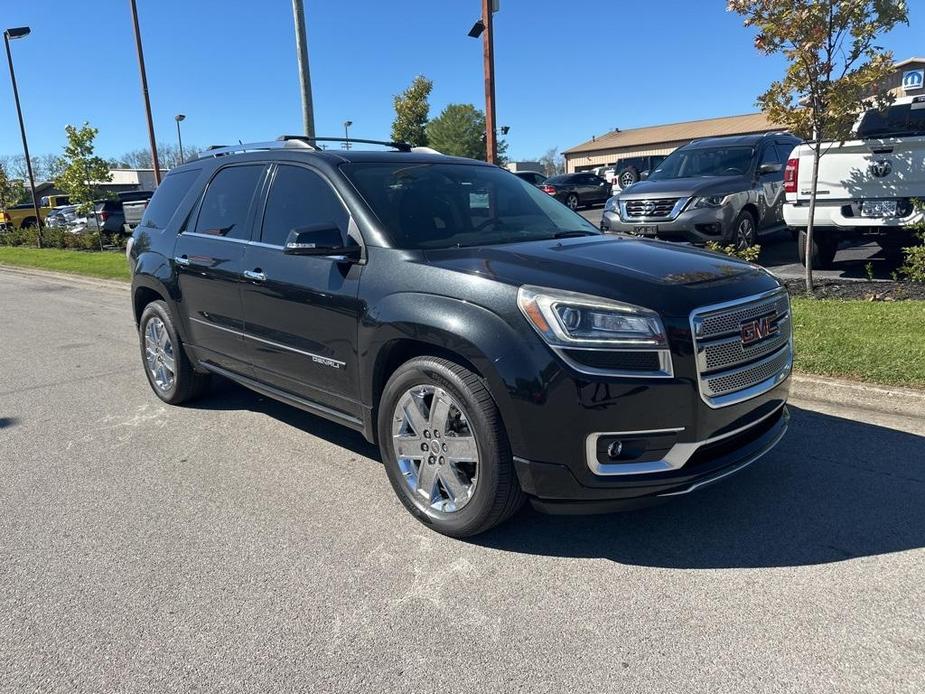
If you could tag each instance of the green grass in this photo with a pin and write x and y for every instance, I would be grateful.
(879, 341)
(110, 265)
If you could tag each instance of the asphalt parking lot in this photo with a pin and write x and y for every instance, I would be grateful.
(779, 255)
(239, 544)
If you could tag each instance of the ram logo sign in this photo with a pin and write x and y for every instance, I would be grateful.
(913, 79)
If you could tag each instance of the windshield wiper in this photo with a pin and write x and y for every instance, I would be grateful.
(574, 233)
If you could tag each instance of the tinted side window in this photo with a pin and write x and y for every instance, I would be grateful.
(298, 198)
(228, 198)
(166, 198)
(784, 150)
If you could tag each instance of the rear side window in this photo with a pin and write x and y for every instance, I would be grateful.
(299, 198)
(783, 151)
(898, 120)
(166, 199)
(227, 202)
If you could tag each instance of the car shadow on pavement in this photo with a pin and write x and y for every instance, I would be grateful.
(6, 422)
(833, 489)
(226, 395)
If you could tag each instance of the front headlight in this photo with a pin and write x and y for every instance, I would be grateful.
(611, 204)
(710, 201)
(570, 319)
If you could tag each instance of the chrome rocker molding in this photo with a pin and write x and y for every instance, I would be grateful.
(676, 457)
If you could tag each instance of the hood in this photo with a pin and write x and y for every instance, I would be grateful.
(684, 187)
(645, 273)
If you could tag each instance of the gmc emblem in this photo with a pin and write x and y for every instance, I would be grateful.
(759, 329)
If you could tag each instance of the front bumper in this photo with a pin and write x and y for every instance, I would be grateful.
(555, 489)
(692, 225)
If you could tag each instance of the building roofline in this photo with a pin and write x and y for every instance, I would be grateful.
(907, 61)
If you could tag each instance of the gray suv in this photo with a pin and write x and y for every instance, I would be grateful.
(724, 189)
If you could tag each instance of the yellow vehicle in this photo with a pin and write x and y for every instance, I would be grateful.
(23, 215)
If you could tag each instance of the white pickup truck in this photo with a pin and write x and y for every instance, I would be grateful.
(867, 186)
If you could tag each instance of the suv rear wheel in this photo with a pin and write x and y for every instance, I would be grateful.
(445, 448)
(166, 365)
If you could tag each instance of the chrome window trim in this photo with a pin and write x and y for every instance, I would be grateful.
(716, 402)
(675, 459)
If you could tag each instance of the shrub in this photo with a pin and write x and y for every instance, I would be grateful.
(914, 266)
(52, 237)
(750, 254)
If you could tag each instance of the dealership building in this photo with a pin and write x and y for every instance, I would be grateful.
(908, 79)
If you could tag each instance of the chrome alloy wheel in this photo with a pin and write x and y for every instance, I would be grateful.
(745, 233)
(572, 202)
(159, 354)
(435, 449)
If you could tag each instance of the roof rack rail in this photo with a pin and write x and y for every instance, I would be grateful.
(400, 146)
(289, 143)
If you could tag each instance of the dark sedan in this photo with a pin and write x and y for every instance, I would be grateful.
(577, 189)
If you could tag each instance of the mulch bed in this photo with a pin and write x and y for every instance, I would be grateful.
(859, 289)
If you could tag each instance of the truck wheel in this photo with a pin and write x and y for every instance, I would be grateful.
(628, 176)
(445, 448)
(824, 248)
(169, 371)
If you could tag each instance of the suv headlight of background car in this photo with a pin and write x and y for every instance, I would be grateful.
(709, 201)
(611, 204)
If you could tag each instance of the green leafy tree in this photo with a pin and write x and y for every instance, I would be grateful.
(80, 171)
(458, 131)
(411, 112)
(12, 190)
(835, 70)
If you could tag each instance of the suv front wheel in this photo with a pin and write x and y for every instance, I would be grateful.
(445, 448)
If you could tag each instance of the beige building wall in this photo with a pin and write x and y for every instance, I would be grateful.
(586, 160)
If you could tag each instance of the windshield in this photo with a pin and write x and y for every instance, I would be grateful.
(446, 205)
(895, 121)
(698, 162)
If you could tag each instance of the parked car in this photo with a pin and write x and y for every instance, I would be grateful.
(531, 177)
(867, 185)
(61, 216)
(628, 171)
(577, 189)
(494, 344)
(724, 189)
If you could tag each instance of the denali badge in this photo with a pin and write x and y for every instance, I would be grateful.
(759, 329)
(880, 168)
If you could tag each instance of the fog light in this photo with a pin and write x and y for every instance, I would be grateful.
(615, 449)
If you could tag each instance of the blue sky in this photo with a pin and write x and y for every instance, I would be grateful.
(565, 69)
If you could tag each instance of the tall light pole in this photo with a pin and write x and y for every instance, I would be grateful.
(144, 93)
(179, 117)
(347, 124)
(484, 27)
(305, 81)
(18, 33)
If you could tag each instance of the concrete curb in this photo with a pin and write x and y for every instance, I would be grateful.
(66, 277)
(885, 399)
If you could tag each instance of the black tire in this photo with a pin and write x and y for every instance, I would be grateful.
(572, 201)
(497, 494)
(823, 252)
(29, 223)
(744, 231)
(628, 177)
(794, 233)
(187, 383)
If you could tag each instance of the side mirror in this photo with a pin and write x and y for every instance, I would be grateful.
(770, 168)
(319, 239)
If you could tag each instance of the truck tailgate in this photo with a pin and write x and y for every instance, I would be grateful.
(133, 212)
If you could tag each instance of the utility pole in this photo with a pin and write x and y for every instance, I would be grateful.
(144, 92)
(305, 80)
(491, 136)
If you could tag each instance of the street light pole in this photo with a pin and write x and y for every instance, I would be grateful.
(305, 81)
(491, 138)
(18, 33)
(178, 118)
(347, 124)
(144, 92)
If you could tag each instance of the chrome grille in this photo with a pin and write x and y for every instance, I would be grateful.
(730, 371)
(661, 207)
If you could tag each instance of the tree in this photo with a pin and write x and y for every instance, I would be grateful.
(411, 112)
(80, 170)
(168, 155)
(553, 162)
(834, 69)
(459, 131)
(12, 190)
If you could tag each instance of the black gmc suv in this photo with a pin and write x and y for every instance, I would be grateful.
(495, 344)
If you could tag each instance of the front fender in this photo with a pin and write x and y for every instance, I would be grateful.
(514, 362)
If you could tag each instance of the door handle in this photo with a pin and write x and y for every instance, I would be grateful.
(255, 275)
(181, 260)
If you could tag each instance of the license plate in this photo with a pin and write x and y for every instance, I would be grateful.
(878, 208)
(648, 230)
